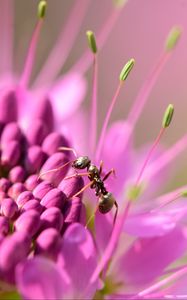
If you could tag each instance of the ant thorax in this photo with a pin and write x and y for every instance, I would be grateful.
(93, 171)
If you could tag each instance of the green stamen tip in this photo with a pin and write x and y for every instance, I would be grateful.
(126, 70)
(91, 41)
(184, 193)
(173, 38)
(119, 3)
(168, 115)
(42, 5)
(134, 192)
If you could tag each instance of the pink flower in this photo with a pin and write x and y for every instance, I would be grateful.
(46, 251)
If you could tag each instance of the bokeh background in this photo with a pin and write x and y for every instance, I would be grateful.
(140, 32)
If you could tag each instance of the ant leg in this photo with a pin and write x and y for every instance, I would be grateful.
(92, 216)
(83, 189)
(115, 216)
(68, 149)
(76, 175)
(55, 170)
(101, 167)
(112, 171)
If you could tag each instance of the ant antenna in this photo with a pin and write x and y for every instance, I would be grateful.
(68, 149)
(54, 170)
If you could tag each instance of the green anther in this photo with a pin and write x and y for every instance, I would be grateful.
(168, 115)
(42, 5)
(119, 3)
(91, 41)
(126, 69)
(184, 193)
(173, 38)
(134, 192)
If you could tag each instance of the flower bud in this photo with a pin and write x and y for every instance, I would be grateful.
(52, 217)
(17, 174)
(32, 181)
(11, 154)
(4, 184)
(28, 222)
(48, 243)
(42, 189)
(23, 198)
(18, 244)
(32, 204)
(4, 225)
(34, 159)
(71, 186)
(52, 142)
(16, 189)
(36, 132)
(54, 198)
(72, 210)
(9, 208)
(11, 132)
(6, 101)
(49, 172)
(44, 113)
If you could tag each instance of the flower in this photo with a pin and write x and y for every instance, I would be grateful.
(46, 251)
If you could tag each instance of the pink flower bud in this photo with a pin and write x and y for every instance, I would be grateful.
(9, 208)
(11, 154)
(32, 204)
(11, 132)
(32, 181)
(18, 244)
(52, 217)
(44, 112)
(16, 189)
(4, 225)
(17, 174)
(48, 243)
(55, 161)
(72, 210)
(34, 159)
(52, 142)
(4, 184)
(71, 186)
(23, 198)
(42, 189)
(54, 198)
(36, 133)
(28, 222)
(6, 101)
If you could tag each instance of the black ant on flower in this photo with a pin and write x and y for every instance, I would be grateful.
(106, 200)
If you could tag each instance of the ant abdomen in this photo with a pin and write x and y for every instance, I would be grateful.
(106, 202)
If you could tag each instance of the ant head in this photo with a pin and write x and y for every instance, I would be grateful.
(81, 162)
(106, 202)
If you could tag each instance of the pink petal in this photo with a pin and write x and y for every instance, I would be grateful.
(149, 224)
(39, 278)
(120, 159)
(67, 95)
(147, 258)
(79, 259)
(103, 229)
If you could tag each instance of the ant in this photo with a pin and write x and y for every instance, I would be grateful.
(106, 200)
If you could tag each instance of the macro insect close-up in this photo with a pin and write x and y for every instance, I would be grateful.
(93, 143)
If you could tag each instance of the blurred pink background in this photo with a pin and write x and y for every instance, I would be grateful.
(140, 32)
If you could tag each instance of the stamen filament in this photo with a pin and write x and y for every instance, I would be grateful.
(93, 134)
(156, 142)
(25, 77)
(83, 64)
(58, 55)
(105, 124)
(166, 158)
(163, 282)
